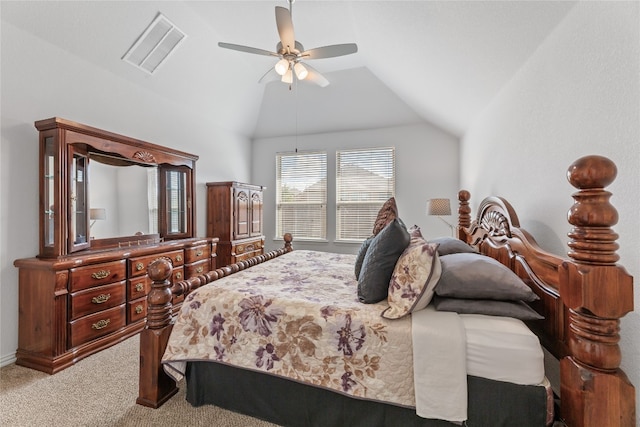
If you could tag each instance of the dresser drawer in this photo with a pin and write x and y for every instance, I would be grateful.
(138, 265)
(97, 299)
(177, 275)
(96, 325)
(137, 310)
(197, 253)
(246, 247)
(138, 287)
(97, 274)
(245, 256)
(197, 268)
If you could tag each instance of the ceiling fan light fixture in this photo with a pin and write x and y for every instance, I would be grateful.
(287, 77)
(282, 66)
(301, 71)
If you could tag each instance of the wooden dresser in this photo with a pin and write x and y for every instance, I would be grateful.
(234, 215)
(109, 205)
(74, 306)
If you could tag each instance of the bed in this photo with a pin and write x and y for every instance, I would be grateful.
(378, 369)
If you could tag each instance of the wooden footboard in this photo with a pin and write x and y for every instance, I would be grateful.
(582, 296)
(155, 386)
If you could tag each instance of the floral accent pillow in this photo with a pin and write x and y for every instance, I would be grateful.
(414, 278)
(387, 213)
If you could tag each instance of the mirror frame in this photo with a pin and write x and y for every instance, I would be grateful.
(59, 139)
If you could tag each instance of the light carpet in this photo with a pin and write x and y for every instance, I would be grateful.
(100, 390)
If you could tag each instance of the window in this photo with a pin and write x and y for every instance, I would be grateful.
(301, 194)
(365, 179)
(176, 202)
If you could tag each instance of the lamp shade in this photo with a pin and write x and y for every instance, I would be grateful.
(438, 207)
(287, 77)
(301, 71)
(282, 66)
(97, 214)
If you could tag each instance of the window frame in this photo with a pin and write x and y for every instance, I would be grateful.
(280, 226)
(372, 204)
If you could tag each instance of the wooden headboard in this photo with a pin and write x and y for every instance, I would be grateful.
(582, 297)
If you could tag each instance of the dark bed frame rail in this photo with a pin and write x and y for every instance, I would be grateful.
(582, 298)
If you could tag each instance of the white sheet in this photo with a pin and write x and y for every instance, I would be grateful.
(439, 365)
(503, 349)
(447, 347)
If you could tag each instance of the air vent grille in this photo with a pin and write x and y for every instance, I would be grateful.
(154, 45)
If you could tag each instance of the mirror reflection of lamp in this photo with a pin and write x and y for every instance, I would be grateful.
(440, 208)
(97, 214)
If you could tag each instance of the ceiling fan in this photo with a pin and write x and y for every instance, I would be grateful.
(292, 53)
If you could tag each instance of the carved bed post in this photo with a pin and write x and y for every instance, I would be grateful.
(595, 392)
(155, 386)
(464, 214)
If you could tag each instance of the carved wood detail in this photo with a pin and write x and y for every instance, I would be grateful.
(144, 156)
(598, 293)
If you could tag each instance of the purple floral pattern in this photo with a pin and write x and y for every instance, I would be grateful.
(309, 327)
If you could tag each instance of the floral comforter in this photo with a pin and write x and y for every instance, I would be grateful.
(298, 316)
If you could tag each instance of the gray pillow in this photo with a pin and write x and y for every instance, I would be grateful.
(476, 276)
(516, 309)
(360, 256)
(380, 260)
(450, 245)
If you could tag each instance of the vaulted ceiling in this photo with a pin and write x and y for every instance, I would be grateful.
(435, 61)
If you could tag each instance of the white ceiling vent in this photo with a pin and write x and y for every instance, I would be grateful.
(155, 44)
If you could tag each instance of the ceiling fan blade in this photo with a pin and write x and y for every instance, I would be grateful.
(247, 49)
(330, 51)
(315, 77)
(285, 27)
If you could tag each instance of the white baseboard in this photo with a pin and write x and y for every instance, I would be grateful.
(7, 360)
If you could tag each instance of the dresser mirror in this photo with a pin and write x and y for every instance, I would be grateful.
(123, 197)
(102, 190)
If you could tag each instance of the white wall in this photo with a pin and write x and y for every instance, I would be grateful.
(579, 94)
(40, 81)
(426, 167)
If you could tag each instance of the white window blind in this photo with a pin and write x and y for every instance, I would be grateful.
(301, 194)
(365, 179)
(176, 200)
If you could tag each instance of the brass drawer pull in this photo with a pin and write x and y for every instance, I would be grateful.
(101, 274)
(101, 324)
(200, 252)
(139, 287)
(102, 298)
(178, 258)
(139, 266)
(199, 269)
(178, 275)
(139, 309)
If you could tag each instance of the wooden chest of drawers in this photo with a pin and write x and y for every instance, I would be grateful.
(234, 216)
(72, 307)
